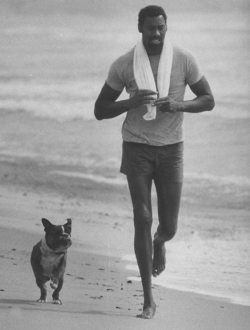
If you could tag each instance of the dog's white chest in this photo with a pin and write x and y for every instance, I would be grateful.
(50, 262)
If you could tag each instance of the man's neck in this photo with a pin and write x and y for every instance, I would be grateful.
(154, 56)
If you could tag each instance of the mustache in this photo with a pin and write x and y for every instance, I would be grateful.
(155, 38)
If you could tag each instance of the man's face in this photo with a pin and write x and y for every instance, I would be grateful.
(153, 33)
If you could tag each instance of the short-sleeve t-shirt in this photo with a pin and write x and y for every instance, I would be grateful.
(167, 127)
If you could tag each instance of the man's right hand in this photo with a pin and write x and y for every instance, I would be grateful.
(142, 97)
(107, 106)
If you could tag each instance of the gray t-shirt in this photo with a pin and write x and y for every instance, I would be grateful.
(167, 127)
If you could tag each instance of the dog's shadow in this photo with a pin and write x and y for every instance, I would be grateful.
(22, 304)
(13, 302)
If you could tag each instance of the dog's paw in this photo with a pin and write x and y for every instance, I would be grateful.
(41, 300)
(53, 285)
(57, 302)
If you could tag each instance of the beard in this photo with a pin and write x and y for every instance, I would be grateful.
(153, 46)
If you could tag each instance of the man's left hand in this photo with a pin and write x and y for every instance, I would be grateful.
(166, 104)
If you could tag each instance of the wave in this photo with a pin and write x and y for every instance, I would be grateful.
(92, 177)
(70, 107)
(57, 110)
(63, 100)
(236, 299)
(219, 180)
(179, 277)
(119, 180)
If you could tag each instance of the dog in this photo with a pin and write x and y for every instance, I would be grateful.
(48, 258)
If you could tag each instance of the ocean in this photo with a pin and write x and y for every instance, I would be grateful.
(53, 65)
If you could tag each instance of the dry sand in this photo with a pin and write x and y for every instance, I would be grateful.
(96, 293)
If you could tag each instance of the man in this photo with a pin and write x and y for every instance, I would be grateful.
(152, 134)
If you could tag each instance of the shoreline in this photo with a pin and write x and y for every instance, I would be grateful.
(98, 294)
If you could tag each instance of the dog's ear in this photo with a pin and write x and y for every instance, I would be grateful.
(67, 226)
(46, 223)
(69, 221)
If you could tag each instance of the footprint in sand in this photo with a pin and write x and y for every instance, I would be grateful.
(80, 278)
(100, 297)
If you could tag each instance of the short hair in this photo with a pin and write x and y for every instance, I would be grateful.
(150, 11)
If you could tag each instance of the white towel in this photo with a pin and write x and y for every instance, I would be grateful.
(144, 76)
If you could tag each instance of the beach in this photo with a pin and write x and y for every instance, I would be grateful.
(102, 286)
(97, 293)
(58, 162)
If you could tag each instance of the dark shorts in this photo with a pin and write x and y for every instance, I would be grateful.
(163, 161)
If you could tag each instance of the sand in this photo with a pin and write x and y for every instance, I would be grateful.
(96, 293)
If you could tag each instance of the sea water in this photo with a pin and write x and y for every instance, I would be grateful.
(53, 63)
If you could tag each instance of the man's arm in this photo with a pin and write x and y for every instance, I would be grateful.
(204, 100)
(107, 107)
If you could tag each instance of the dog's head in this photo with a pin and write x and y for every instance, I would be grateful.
(57, 237)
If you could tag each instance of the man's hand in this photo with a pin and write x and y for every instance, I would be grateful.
(166, 104)
(142, 97)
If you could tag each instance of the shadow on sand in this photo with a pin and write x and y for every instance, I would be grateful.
(72, 308)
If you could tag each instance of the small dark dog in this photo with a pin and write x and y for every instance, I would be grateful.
(48, 258)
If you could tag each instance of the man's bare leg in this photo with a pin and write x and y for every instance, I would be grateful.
(140, 190)
(169, 195)
(143, 251)
(159, 258)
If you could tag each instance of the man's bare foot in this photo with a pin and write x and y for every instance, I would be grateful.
(159, 259)
(148, 312)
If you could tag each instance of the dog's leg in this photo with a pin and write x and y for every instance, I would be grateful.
(42, 285)
(55, 294)
(35, 260)
(57, 280)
